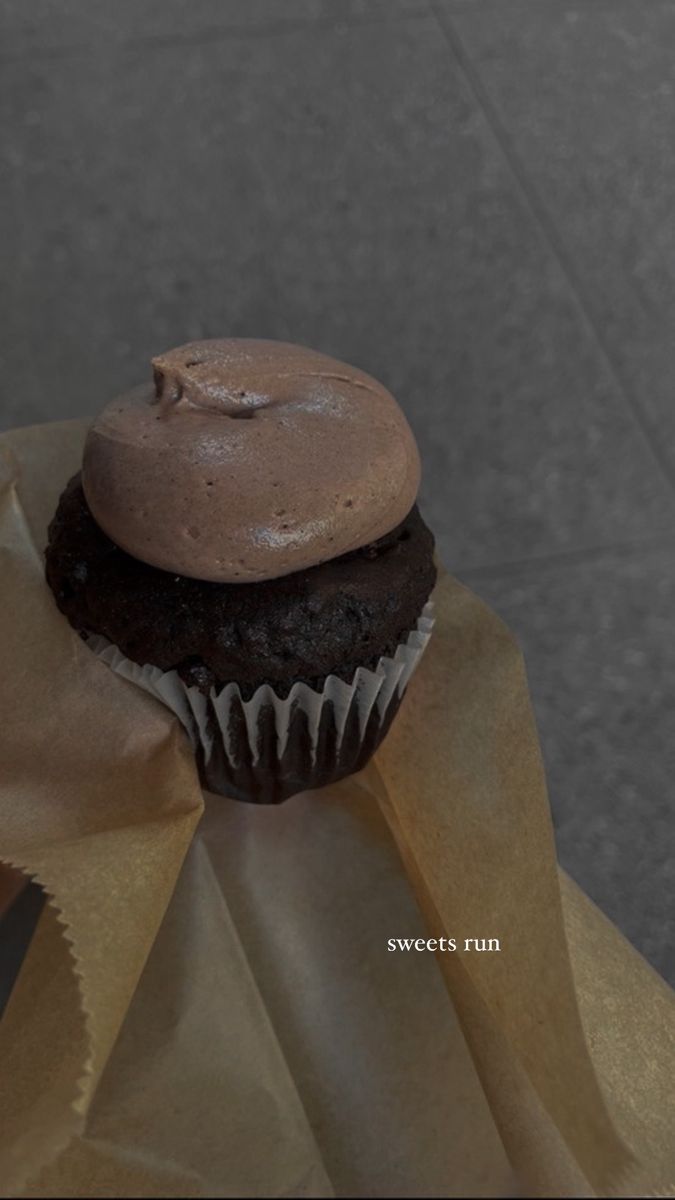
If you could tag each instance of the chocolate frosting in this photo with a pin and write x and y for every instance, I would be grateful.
(249, 460)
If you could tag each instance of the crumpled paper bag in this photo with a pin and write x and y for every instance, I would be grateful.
(210, 1007)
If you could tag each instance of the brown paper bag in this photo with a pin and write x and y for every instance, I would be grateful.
(12, 884)
(239, 1026)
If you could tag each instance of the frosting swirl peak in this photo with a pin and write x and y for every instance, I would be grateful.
(249, 460)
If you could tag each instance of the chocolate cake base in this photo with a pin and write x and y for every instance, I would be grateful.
(330, 619)
(270, 778)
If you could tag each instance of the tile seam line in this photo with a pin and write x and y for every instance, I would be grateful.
(552, 238)
(561, 559)
(208, 37)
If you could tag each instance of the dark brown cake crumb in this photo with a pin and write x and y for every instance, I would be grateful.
(328, 619)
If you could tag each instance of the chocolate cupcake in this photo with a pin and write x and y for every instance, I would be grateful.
(243, 541)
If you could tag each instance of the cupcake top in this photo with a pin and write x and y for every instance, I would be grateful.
(248, 460)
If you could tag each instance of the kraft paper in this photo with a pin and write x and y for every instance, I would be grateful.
(210, 1007)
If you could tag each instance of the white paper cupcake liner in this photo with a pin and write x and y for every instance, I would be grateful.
(209, 718)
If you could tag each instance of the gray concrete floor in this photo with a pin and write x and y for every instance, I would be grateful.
(472, 199)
